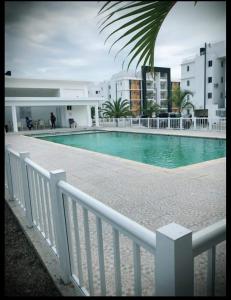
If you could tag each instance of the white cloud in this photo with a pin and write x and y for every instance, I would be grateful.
(62, 38)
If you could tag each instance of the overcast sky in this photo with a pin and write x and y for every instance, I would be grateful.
(61, 39)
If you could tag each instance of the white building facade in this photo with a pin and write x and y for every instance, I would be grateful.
(205, 76)
(37, 98)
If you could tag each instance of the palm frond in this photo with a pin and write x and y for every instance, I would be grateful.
(144, 27)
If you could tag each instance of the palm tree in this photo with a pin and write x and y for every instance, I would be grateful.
(179, 98)
(145, 20)
(152, 107)
(116, 109)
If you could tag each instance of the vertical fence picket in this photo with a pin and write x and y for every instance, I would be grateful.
(137, 270)
(211, 271)
(37, 184)
(44, 213)
(116, 245)
(77, 239)
(88, 250)
(101, 256)
(34, 214)
(37, 200)
(48, 209)
(26, 188)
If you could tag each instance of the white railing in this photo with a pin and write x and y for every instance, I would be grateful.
(217, 124)
(119, 224)
(206, 240)
(91, 239)
(40, 198)
(16, 179)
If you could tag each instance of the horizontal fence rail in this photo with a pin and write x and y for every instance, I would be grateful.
(89, 237)
(216, 124)
(139, 235)
(206, 240)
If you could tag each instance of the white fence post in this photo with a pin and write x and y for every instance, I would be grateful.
(26, 190)
(181, 123)
(210, 123)
(131, 122)
(8, 173)
(195, 123)
(60, 224)
(174, 261)
(158, 122)
(148, 122)
(139, 122)
(169, 123)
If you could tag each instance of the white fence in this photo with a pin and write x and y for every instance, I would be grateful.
(78, 227)
(216, 124)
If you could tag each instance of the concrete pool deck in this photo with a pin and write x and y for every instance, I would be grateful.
(192, 196)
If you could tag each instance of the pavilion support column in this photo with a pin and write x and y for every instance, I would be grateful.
(14, 118)
(89, 120)
(96, 116)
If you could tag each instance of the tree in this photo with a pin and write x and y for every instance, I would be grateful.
(116, 109)
(179, 98)
(152, 107)
(144, 21)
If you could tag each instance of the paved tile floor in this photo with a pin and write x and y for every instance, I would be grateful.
(192, 196)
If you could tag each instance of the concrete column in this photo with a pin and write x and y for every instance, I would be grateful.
(89, 120)
(96, 116)
(14, 118)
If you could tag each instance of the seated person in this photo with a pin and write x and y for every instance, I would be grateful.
(72, 122)
(29, 123)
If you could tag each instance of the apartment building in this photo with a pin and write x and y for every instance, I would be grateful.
(137, 87)
(205, 75)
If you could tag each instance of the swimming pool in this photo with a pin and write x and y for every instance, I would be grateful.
(159, 150)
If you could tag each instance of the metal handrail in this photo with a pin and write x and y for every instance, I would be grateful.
(136, 232)
(208, 237)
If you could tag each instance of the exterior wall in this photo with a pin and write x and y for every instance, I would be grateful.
(80, 115)
(73, 93)
(215, 53)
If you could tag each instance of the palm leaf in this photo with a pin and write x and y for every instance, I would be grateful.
(153, 15)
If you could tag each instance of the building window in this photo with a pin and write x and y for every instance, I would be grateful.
(109, 96)
(163, 75)
(69, 107)
(209, 95)
(188, 97)
(210, 63)
(187, 68)
(188, 83)
(221, 95)
(221, 79)
(209, 79)
(109, 87)
(97, 92)
(222, 63)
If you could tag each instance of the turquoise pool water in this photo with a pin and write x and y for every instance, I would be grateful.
(159, 150)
